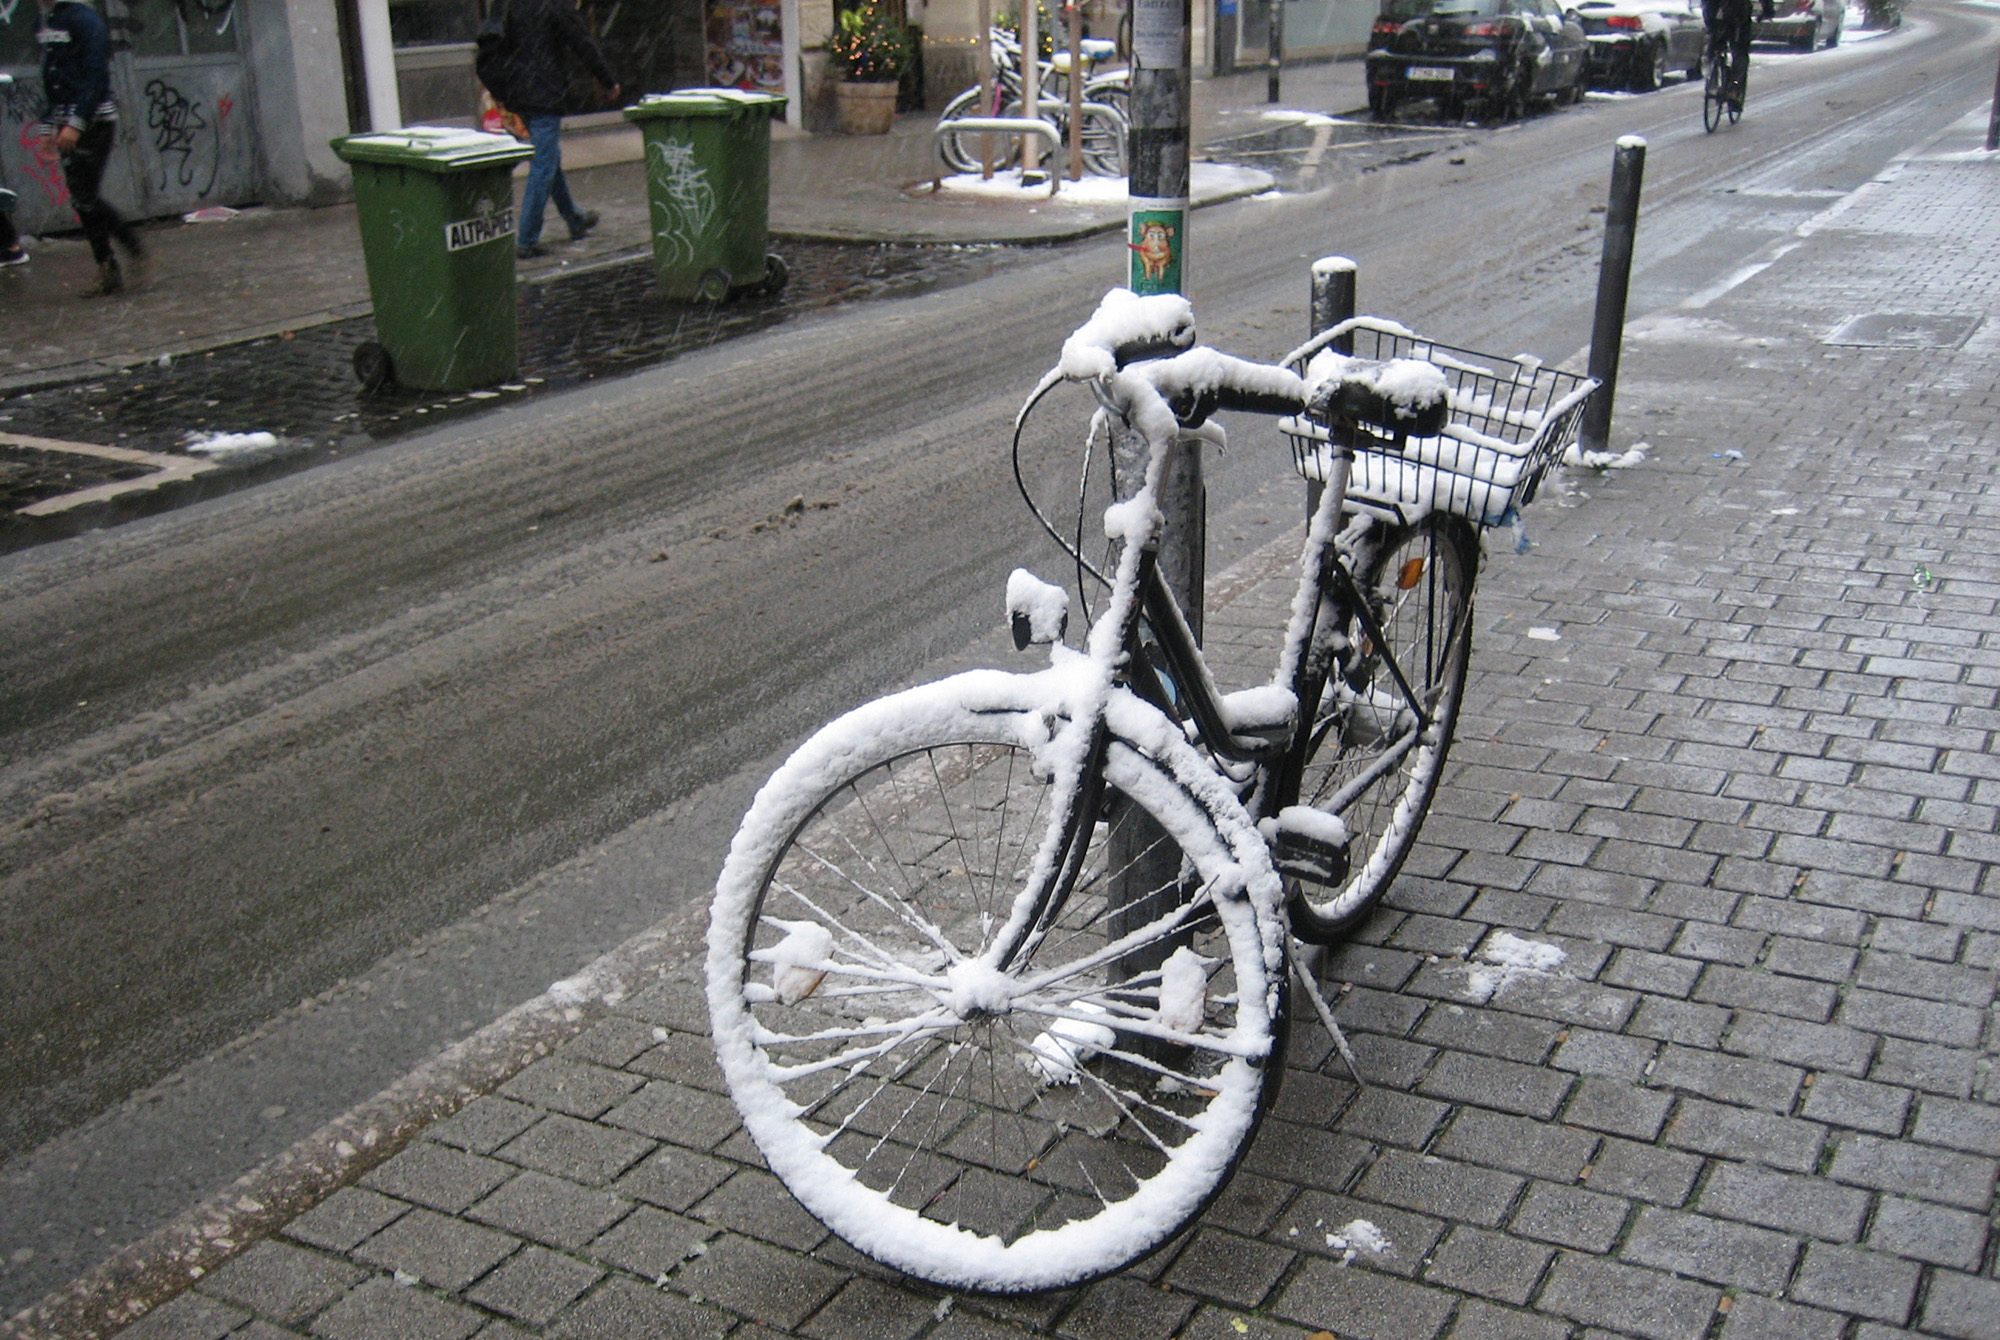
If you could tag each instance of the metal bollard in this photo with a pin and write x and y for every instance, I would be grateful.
(1614, 278)
(1276, 59)
(1157, 146)
(1993, 118)
(1333, 279)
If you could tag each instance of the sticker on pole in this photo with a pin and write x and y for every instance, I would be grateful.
(1157, 240)
(477, 232)
(1159, 34)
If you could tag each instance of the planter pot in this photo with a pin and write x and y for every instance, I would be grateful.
(865, 109)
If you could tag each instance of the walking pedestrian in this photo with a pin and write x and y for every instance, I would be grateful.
(82, 120)
(526, 74)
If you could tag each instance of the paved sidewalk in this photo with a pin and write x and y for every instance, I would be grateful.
(1728, 749)
(273, 270)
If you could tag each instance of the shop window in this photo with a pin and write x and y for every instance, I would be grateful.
(424, 23)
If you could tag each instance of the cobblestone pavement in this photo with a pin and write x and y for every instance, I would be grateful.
(1728, 748)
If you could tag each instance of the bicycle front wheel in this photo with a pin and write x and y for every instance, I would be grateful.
(1714, 97)
(1384, 719)
(972, 1070)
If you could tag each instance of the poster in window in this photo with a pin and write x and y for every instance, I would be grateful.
(746, 45)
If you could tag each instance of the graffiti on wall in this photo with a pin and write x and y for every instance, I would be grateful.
(182, 135)
(44, 167)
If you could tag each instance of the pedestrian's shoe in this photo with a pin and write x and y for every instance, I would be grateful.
(110, 280)
(529, 252)
(584, 223)
(18, 256)
(141, 262)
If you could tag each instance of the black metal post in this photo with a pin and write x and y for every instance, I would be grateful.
(1614, 278)
(1993, 120)
(1333, 280)
(1277, 53)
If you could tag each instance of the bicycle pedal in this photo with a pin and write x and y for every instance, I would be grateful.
(1307, 844)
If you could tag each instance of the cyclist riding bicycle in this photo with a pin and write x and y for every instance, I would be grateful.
(1730, 24)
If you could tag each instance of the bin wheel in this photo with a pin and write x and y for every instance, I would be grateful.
(713, 286)
(373, 366)
(776, 273)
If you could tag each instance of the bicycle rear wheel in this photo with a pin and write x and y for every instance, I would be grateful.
(962, 152)
(1371, 759)
(965, 1089)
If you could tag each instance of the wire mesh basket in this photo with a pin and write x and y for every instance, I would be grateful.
(1505, 421)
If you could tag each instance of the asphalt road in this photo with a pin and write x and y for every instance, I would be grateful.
(409, 736)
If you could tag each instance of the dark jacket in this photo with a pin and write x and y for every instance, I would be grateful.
(530, 79)
(76, 66)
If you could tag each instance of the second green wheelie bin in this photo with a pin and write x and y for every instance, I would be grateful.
(436, 209)
(708, 178)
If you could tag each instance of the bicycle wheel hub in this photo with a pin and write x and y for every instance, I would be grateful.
(978, 989)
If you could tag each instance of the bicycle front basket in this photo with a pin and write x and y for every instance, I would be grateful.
(1507, 420)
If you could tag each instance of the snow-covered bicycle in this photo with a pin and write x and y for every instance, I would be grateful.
(998, 966)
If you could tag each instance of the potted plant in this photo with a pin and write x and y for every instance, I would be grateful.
(869, 52)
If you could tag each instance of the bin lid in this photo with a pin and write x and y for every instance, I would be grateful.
(433, 148)
(704, 102)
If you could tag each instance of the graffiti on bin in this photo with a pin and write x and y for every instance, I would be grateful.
(688, 200)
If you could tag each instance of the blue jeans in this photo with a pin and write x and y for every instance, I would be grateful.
(545, 180)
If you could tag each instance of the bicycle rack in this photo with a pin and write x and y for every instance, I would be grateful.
(999, 125)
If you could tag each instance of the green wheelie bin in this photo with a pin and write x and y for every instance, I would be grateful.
(708, 178)
(436, 208)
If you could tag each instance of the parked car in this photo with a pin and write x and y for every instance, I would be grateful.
(1492, 55)
(1805, 23)
(1634, 42)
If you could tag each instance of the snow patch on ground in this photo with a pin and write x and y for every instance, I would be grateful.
(230, 444)
(1358, 1236)
(1506, 957)
(1205, 180)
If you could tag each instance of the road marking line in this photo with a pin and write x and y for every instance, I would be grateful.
(165, 470)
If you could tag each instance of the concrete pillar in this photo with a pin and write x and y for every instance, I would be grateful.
(378, 67)
(293, 51)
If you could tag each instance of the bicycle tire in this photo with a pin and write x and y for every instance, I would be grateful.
(1103, 144)
(1713, 98)
(1418, 581)
(922, 1122)
(962, 152)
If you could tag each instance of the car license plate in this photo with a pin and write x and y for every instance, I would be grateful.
(1429, 72)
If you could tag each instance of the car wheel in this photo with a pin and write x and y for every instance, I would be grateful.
(1833, 38)
(1381, 101)
(1646, 69)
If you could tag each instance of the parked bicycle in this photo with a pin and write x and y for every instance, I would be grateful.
(1101, 129)
(999, 966)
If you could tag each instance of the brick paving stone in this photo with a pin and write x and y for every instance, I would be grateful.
(1517, 1144)
(1571, 1217)
(1511, 1037)
(1738, 1080)
(1612, 1055)
(757, 1204)
(1801, 919)
(1736, 1132)
(1318, 1223)
(282, 1282)
(649, 1242)
(1718, 944)
(1229, 1269)
(343, 1219)
(1907, 975)
(1963, 1307)
(690, 1118)
(1815, 1046)
(1754, 1318)
(535, 1285)
(1618, 1109)
(612, 1042)
(1566, 999)
(867, 1310)
(382, 1310)
(1770, 992)
(1627, 1168)
(1679, 1021)
(551, 1211)
(191, 1316)
(673, 1179)
(1928, 1232)
(1795, 1204)
(1431, 1185)
(1311, 1099)
(1357, 1303)
(1305, 1156)
(623, 1309)
(1716, 1250)
(1363, 1010)
(1249, 1204)
(1492, 1265)
(442, 1251)
(1658, 974)
(1972, 1127)
(1390, 1061)
(1502, 907)
(1851, 1279)
(1912, 1017)
(776, 1287)
(562, 1085)
(1392, 1118)
(1118, 1308)
(1859, 1104)
(1963, 1180)
(1435, 935)
(1506, 1085)
(1639, 1302)
(484, 1124)
(581, 1151)
(438, 1176)
(1947, 1070)
(683, 1058)
(1484, 1321)
(1371, 966)
(1810, 958)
